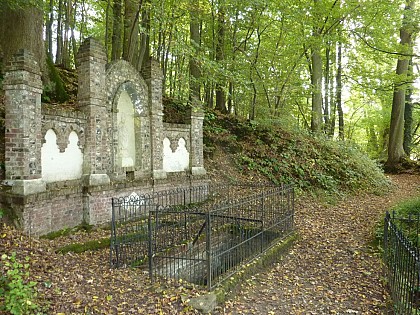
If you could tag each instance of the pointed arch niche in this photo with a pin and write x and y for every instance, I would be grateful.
(59, 166)
(131, 124)
(177, 160)
(128, 101)
(126, 150)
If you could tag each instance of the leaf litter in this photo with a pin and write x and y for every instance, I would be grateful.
(331, 269)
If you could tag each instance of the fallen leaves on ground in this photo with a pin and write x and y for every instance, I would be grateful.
(85, 283)
(330, 270)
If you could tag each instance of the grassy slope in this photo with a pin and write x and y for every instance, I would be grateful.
(284, 156)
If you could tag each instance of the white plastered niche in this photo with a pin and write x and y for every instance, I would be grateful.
(59, 166)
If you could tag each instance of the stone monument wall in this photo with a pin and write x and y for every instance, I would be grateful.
(63, 167)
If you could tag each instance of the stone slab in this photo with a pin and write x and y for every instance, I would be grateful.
(26, 187)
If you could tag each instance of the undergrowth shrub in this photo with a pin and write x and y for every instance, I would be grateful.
(407, 208)
(55, 90)
(408, 218)
(16, 290)
(292, 157)
(407, 214)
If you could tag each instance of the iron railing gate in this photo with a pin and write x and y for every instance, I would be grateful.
(202, 235)
(129, 229)
(402, 261)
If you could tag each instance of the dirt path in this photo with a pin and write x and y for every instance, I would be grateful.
(332, 268)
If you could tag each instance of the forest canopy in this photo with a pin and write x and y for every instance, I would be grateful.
(343, 69)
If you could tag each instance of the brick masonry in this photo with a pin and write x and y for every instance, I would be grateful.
(38, 207)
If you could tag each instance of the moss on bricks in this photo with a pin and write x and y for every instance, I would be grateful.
(68, 231)
(83, 247)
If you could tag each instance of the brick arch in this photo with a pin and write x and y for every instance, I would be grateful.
(80, 134)
(122, 77)
(121, 73)
(45, 127)
(60, 164)
(62, 132)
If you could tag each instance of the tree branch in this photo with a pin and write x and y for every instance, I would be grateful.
(380, 49)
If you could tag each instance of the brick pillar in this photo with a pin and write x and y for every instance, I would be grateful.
(91, 62)
(196, 155)
(153, 77)
(23, 87)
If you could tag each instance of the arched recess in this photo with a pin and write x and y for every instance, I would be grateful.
(177, 160)
(60, 166)
(128, 102)
(126, 150)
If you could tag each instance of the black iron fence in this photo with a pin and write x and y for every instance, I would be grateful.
(402, 260)
(200, 234)
(130, 215)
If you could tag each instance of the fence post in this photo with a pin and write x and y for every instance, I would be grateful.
(293, 196)
(113, 244)
(282, 199)
(417, 230)
(208, 250)
(262, 220)
(385, 241)
(150, 242)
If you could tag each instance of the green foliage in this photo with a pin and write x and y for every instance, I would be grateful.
(407, 216)
(216, 133)
(265, 69)
(291, 157)
(17, 290)
(407, 208)
(21, 4)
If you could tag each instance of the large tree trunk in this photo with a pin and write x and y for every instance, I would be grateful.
(316, 80)
(253, 99)
(48, 29)
(22, 28)
(408, 115)
(333, 96)
(396, 151)
(327, 90)
(116, 31)
(339, 100)
(66, 44)
(59, 47)
(220, 56)
(131, 30)
(144, 49)
(396, 132)
(195, 72)
(372, 145)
